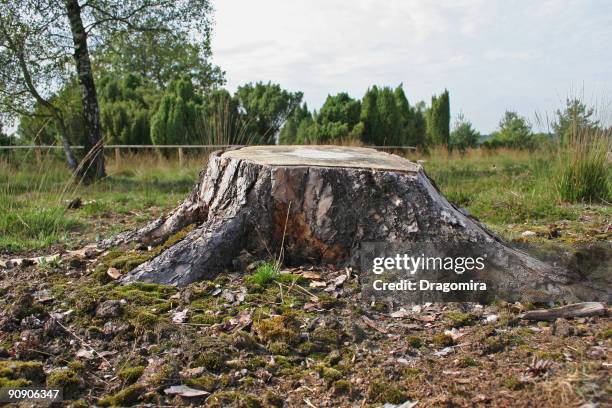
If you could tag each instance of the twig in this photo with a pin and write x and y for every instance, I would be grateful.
(302, 289)
(85, 344)
(310, 404)
(281, 253)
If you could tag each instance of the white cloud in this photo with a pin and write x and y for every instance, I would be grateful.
(491, 55)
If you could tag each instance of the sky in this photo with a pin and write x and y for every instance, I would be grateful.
(491, 55)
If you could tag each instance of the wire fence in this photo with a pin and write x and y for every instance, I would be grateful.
(180, 149)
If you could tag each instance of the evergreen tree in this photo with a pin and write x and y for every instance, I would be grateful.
(266, 107)
(389, 119)
(125, 109)
(463, 136)
(438, 119)
(289, 132)
(514, 132)
(174, 122)
(369, 116)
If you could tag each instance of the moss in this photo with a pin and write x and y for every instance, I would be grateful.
(278, 328)
(513, 383)
(458, 319)
(126, 397)
(127, 261)
(467, 361)
(380, 307)
(383, 392)
(506, 319)
(25, 306)
(204, 318)
(291, 278)
(206, 382)
(77, 366)
(272, 400)
(224, 399)
(329, 374)
(164, 375)
(342, 387)
(144, 321)
(411, 372)
(29, 370)
(66, 379)
(279, 347)
(142, 293)
(415, 342)
(250, 401)
(326, 338)
(307, 348)
(442, 340)
(244, 341)
(131, 374)
(606, 334)
(18, 383)
(327, 302)
(495, 344)
(550, 355)
(212, 361)
(173, 239)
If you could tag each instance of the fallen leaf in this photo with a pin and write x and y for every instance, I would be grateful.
(373, 325)
(400, 314)
(192, 372)
(311, 275)
(114, 273)
(426, 318)
(85, 353)
(185, 391)
(444, 352)
(180, 316)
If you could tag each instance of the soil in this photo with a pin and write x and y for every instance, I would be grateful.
(303, 337)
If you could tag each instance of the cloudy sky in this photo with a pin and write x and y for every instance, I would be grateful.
(491, 55)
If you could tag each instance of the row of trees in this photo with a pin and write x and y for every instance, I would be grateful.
(383, 117)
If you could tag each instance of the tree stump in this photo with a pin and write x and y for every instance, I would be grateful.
(320, 204)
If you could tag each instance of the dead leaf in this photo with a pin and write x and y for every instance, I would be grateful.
(311, 275)
(192, 372)
(114, 273)
(340, 280)
(85, 353)
(185, 391)
(180, 316)
(400, 314)
(373, 325)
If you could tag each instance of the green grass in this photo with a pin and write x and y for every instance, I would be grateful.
(34, 196)
(265, 274)
(585, 172)
(505, 189)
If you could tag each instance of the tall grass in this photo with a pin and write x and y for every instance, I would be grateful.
(585, 174)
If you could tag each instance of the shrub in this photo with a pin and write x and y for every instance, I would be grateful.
(585, 174)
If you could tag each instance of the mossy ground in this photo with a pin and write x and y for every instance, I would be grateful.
(274, 346)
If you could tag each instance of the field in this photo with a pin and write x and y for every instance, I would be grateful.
(259, 338)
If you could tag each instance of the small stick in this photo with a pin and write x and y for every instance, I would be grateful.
(85, 344)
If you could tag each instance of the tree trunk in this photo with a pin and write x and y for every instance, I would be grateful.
(72, 163)
(92, 166)
(325, 205)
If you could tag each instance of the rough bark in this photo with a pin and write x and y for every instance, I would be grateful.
(92, 166)
(323, 204)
